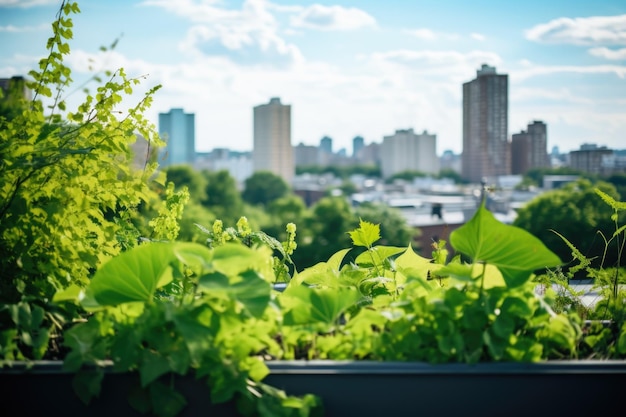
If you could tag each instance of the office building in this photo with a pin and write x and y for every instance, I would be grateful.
(486, 148)
(177, 128)
(407, 151)
(272, 149)
(529, 149)
(358, 143)
(592, 159)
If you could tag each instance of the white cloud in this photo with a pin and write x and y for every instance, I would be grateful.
(534, 71)
(17, 29)
(249, 35)
(424, 34)
(26, 3)
(322, 17)
(610, 54)
(430, 35)
(581, 31)
(478, 36)
(453, 66)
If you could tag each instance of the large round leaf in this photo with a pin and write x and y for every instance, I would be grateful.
(514, 251)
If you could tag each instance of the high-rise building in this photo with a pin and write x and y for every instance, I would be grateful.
(358, 143)
(272, 149)
(177, 128)
(326, 144)
(486, 148)
(529, 149)
(407, 151)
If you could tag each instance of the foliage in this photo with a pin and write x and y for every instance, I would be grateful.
(406, 175)
(395, 230)
(158, 307)
(186, 176)
(534, 176)
(68, 192)
(179, 308)
(326, 226)
(343, 172)
(222, 196)
(578, 214)
(263, 187)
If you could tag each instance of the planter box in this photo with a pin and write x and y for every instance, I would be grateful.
(568, 388)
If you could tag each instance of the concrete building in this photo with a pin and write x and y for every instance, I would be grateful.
(325, 154)
(529, 149)
(272, 149)
(237, 163)
(306, 155)
(486, 148)
(592, 159)
(177, 129)
(358, 143)
(407, 151)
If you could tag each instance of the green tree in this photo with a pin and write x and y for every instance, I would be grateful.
(452, 174)
(263, 187)
(222, 196)
(576, 212)
(535, 176)
(186, 176)
(283, 210)
(326, 230)
(619, 181)
(406, 175)
(12, 100)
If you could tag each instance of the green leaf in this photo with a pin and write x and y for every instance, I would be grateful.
(514, 251)
(87, 384)
(153, 365)
(334, 262)
(234, 258)
(366, 234)
(166, 401)
(616, 205)
(321, 305)
(132, 276)
(376, 255)
(248, 288)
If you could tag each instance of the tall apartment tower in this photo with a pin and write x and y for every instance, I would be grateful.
(177, 128)
(272, 149)
(358, 143)
(529, 148)
(407, 151)
(486, 148)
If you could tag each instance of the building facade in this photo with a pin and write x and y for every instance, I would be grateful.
(407, 151)
(272, 149)
(486, 148)
(177, 128)
(592, 159)
(358, 143)
(529, 148)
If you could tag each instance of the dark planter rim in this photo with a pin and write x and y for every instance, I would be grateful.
(321, 367)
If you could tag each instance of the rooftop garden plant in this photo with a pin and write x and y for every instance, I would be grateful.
(87, 282)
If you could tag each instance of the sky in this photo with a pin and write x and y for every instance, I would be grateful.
(347, 68)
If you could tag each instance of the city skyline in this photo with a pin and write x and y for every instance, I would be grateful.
(348, 69)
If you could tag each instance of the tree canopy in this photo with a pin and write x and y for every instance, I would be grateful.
(576, 212)
(263, 187)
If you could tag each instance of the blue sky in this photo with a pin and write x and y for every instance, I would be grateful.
(348, 67)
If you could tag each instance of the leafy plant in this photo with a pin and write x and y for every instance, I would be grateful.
(601, 339)
(68, 193)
